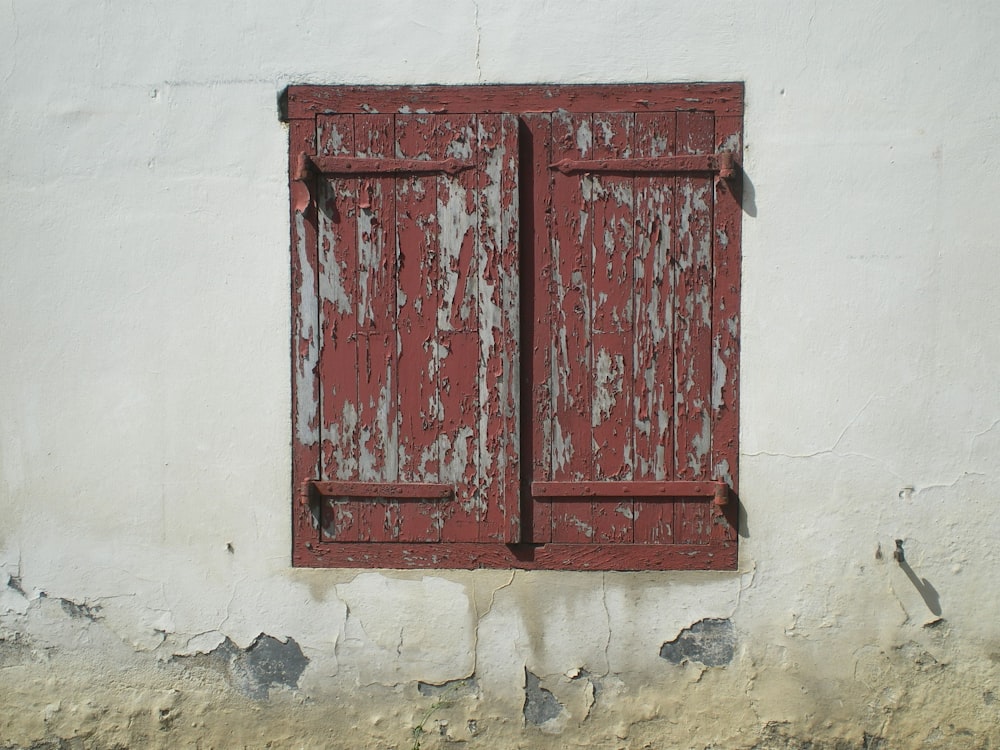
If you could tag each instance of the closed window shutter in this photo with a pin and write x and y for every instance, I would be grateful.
(623, 375)
(418, 321)
(515, 326)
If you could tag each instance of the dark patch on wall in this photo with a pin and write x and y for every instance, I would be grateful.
(450, 689)
(540, 705)
(710, 642)
(14, 582)
(14, 649)
(265, 663)
(773, 737)
(84, 611)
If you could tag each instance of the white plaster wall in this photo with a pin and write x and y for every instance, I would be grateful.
(144, 362)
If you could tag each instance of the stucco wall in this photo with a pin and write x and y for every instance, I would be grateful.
(146, 597)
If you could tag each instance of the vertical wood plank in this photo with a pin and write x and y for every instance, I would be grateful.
(377, 398)
(726, 325)
(417, 295)
(693, 336)
(499, 328)
(535, 202)
(458, 328)
(653, 374)
(571, 371)
(305, 342)
(338, 299)
(612, 325)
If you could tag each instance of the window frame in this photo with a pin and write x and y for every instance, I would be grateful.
(302, 105)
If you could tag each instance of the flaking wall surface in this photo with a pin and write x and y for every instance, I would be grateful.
(147, 597)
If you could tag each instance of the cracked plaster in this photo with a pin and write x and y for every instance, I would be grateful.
(143, 438)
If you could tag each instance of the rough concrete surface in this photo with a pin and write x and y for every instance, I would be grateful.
(70, 681)
(147, 599)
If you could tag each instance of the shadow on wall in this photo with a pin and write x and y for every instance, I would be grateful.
(927, 592)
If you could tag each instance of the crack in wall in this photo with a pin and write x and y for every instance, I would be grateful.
(13, 44)
(480, 616)
(479, 38)
(607, 615)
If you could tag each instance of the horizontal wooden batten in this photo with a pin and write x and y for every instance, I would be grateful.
(333, 166)
(375, 490)
(719, 491)
(305, 101)
(721, 163)
(593, 557)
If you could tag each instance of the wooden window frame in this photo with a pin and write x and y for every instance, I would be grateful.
(713, 490)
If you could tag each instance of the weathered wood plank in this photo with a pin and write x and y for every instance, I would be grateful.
(338, 299)
(571, 371)
(653, 372)
(726, 328)
(341, 166)
(499, 328)
(416, 302)
(693, 335)
(307, 101)
(458, 327)
(305, 344)
(338, 488)
(661, 165)
(612, 283)
(376, 321)
(537, 307)
(524, 557)
(630, 489)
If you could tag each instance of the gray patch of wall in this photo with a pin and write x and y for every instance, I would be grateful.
(710, 642)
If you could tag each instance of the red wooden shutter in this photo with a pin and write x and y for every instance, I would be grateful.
(628, 375)
(418, 314)
(430, 352)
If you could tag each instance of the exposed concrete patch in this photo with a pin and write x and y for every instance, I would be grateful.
(73, 609)
(710, 642)
(265, 663)
(14, 649)
(451, 689)
(773, 737)
(540, 705)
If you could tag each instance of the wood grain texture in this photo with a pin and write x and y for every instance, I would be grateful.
(461, 302)
(309, 101)
(653, 372)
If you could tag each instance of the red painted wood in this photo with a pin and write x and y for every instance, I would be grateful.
(726, 325)
(338, 165)
(308, 101)
(693, 331)
(571, 378)
(458, 328)
(611, 342)
(338, 299)
(627, 489)
(376, 325)
(647, 165)
(304, 345)
(499, 323)
(525, 557)
(384, 489)
(417, 299)
(537, 306)
(629, 292)
(653, 382)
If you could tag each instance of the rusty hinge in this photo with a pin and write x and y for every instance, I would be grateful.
(724, 164)
(347, 165)
(718, 491)
(375, 490)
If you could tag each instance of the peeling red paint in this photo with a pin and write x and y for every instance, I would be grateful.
(506, 270)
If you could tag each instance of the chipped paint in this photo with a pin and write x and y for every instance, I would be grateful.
(632, 337)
